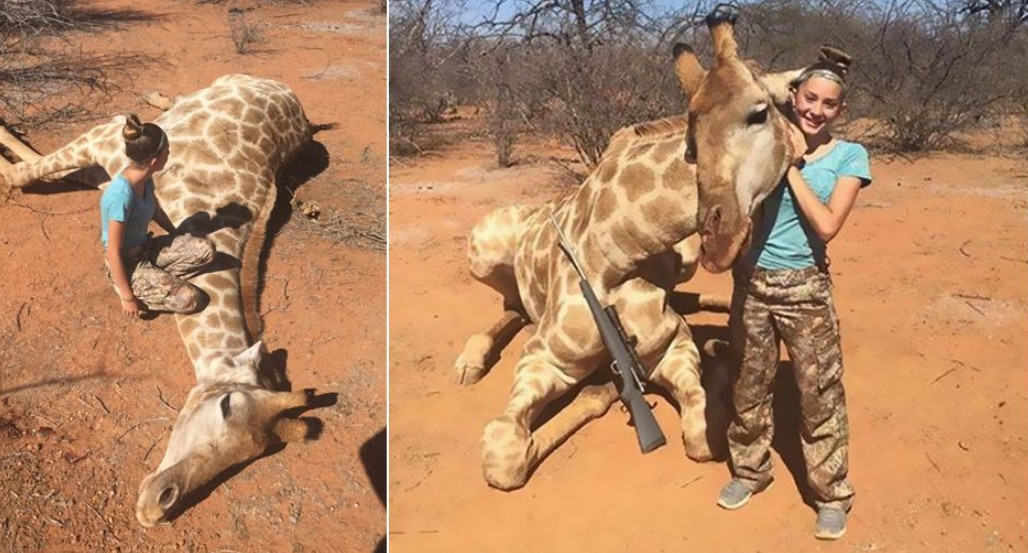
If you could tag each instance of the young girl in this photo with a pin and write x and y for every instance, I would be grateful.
(148, 273)
(783, 292)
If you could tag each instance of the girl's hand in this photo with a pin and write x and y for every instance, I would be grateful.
(132, 308)
(798, 144)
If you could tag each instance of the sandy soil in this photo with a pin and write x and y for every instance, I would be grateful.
(930, 287)
(87, 397)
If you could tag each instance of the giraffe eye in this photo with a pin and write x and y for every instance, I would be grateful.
(758, 116)
(226, 406)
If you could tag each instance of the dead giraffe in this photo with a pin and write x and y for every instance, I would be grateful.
(625, 222)
(227, 143)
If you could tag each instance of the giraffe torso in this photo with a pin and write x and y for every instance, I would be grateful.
(623, 222)
(227, 143)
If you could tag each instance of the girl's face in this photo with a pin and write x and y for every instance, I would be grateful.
(817, 102)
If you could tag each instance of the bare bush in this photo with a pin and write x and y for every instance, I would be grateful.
(424, 48)
(925, 72)
(43, 75)
(572, 69)
(245, 32)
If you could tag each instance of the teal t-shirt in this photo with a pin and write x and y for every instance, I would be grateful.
(120, 203)
(785, 239)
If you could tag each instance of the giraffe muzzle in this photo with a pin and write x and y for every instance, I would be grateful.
(721, 243)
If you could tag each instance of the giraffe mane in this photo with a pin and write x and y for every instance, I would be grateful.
(660, 127)
(249, 274)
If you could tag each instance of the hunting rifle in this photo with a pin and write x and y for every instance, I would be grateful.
(625, 363)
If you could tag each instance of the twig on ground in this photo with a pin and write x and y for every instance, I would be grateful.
(972, 306)
(17, 318)
(84, 402)
(322, 341)
(153, 445)
(932, 461)
(46, 212)
(964, 245)
(48, 421)
(943, 375)
(160, 397)
(691, 482)
(973, 297)
(138, 424)
(106, 410)
(110, 532)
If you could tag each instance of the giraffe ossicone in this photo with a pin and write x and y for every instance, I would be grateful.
(227, 144)
(628, 223)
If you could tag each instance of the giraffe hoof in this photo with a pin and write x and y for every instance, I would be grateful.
(471, 364)
(507, 450)
(468, 372)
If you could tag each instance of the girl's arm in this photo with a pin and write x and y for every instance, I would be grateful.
(162, 219)
(826, 220)
(115, 262)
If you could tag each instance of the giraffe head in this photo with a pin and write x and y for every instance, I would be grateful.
(738, 138)
(224, 423)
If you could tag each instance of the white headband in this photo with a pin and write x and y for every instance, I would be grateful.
(823, 73)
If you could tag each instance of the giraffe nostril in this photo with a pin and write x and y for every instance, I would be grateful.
(168, 497)
(714, 218)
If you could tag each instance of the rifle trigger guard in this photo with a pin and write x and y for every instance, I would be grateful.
(614, 368)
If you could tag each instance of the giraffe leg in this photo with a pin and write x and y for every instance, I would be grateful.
(592, 402)
(490, 260)
(61, 163)
(509, 449)
(679, 372)
(483, 350)
(17, 147)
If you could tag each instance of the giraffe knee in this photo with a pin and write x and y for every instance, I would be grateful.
(196, 251)
(205, 252)
(186, 299)
(507, 451)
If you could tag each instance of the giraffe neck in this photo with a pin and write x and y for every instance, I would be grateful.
(644, 202)
(214, 336)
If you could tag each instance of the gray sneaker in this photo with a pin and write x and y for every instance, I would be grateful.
(831, 523)
(736, 493)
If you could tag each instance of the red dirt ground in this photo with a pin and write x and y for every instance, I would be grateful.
(931, 291)
(88, 397)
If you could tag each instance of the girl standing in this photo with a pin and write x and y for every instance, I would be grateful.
(783, 293)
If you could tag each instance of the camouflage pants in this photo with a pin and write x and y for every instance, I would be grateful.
(794, 307)
(158, 271)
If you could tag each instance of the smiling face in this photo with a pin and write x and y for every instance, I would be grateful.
(221, 425)
(817, 102)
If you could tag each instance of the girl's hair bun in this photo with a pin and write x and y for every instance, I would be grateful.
(133, 128)
(835, 57)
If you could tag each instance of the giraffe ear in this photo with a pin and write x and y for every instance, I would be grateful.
(251, 356)
(778, 84)
(688, 68)
(290, 430)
